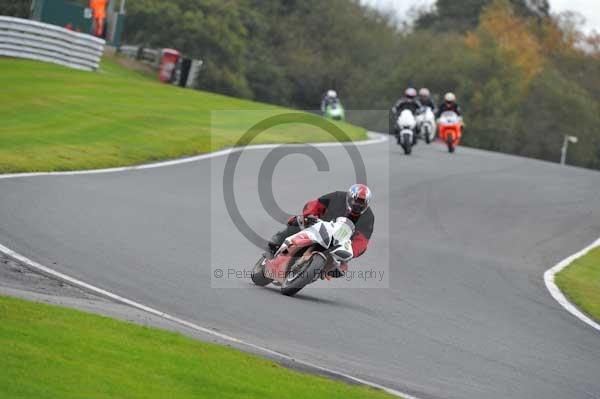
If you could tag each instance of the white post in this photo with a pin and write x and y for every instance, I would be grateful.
(565, 147)
(563, 151)
(122, 8)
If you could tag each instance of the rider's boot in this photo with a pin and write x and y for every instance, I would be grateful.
(276, 241)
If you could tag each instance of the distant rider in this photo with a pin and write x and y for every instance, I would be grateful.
(425, 99)
(408, 101)
(353, 204)
(331, 97)
(449, 104)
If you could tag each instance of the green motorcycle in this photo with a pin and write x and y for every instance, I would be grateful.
(335, 111)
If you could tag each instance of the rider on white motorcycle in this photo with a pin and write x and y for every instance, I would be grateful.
(425, 99)
(425, 116)
(353, 204)
(409, 101)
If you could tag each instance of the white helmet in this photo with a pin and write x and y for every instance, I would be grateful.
(424, 93)
(410, 92)
(331, 94)
(450, 97)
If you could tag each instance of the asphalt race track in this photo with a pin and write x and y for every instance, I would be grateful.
(469, 236)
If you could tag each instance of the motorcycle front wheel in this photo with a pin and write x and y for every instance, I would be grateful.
(302, 274)
(427, 135)
(407, 145)
(450, 142)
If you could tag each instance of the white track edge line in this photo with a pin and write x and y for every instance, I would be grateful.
(374, 139)
(78, 283)
(558, 295)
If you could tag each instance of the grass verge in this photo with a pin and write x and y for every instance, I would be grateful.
(56, 118)
(54, 352)
(580, 282)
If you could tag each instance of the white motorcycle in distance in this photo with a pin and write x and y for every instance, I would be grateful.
(405, 130)
(306, 256)
(426, 124)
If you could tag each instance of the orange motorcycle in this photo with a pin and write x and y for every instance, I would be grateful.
(450, 129)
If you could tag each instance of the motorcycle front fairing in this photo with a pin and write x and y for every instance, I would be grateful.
(427, 116)
(450, 118)
(406, 121)
(341, 245)
(450, 123)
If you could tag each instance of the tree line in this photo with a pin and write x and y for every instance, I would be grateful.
(519, 74)
(524, 77)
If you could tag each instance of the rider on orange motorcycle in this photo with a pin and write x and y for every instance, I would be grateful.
(353, 204)
(449, 104)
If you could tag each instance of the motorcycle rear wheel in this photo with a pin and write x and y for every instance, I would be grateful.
(258, 273)
(305, 275)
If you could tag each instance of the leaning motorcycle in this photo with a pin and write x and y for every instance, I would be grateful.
(450, 129)
(335, 111)
(307, 256)
(426, 124)
(405, 131)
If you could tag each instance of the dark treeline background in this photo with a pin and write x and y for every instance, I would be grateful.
(520, 74)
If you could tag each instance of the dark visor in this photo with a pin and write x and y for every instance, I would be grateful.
(357, 205)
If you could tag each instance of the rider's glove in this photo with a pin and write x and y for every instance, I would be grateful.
(293, 221)
(302, 221)
(310, 220)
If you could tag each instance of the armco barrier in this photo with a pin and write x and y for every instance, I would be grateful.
(34, 40)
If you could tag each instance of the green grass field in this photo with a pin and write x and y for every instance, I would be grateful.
(580, 282)
(55, 118)
(54, 352)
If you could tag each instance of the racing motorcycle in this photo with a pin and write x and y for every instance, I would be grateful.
(335, 111)
(307, 256)
(426, 124)
(450, 129)
(405, 131)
